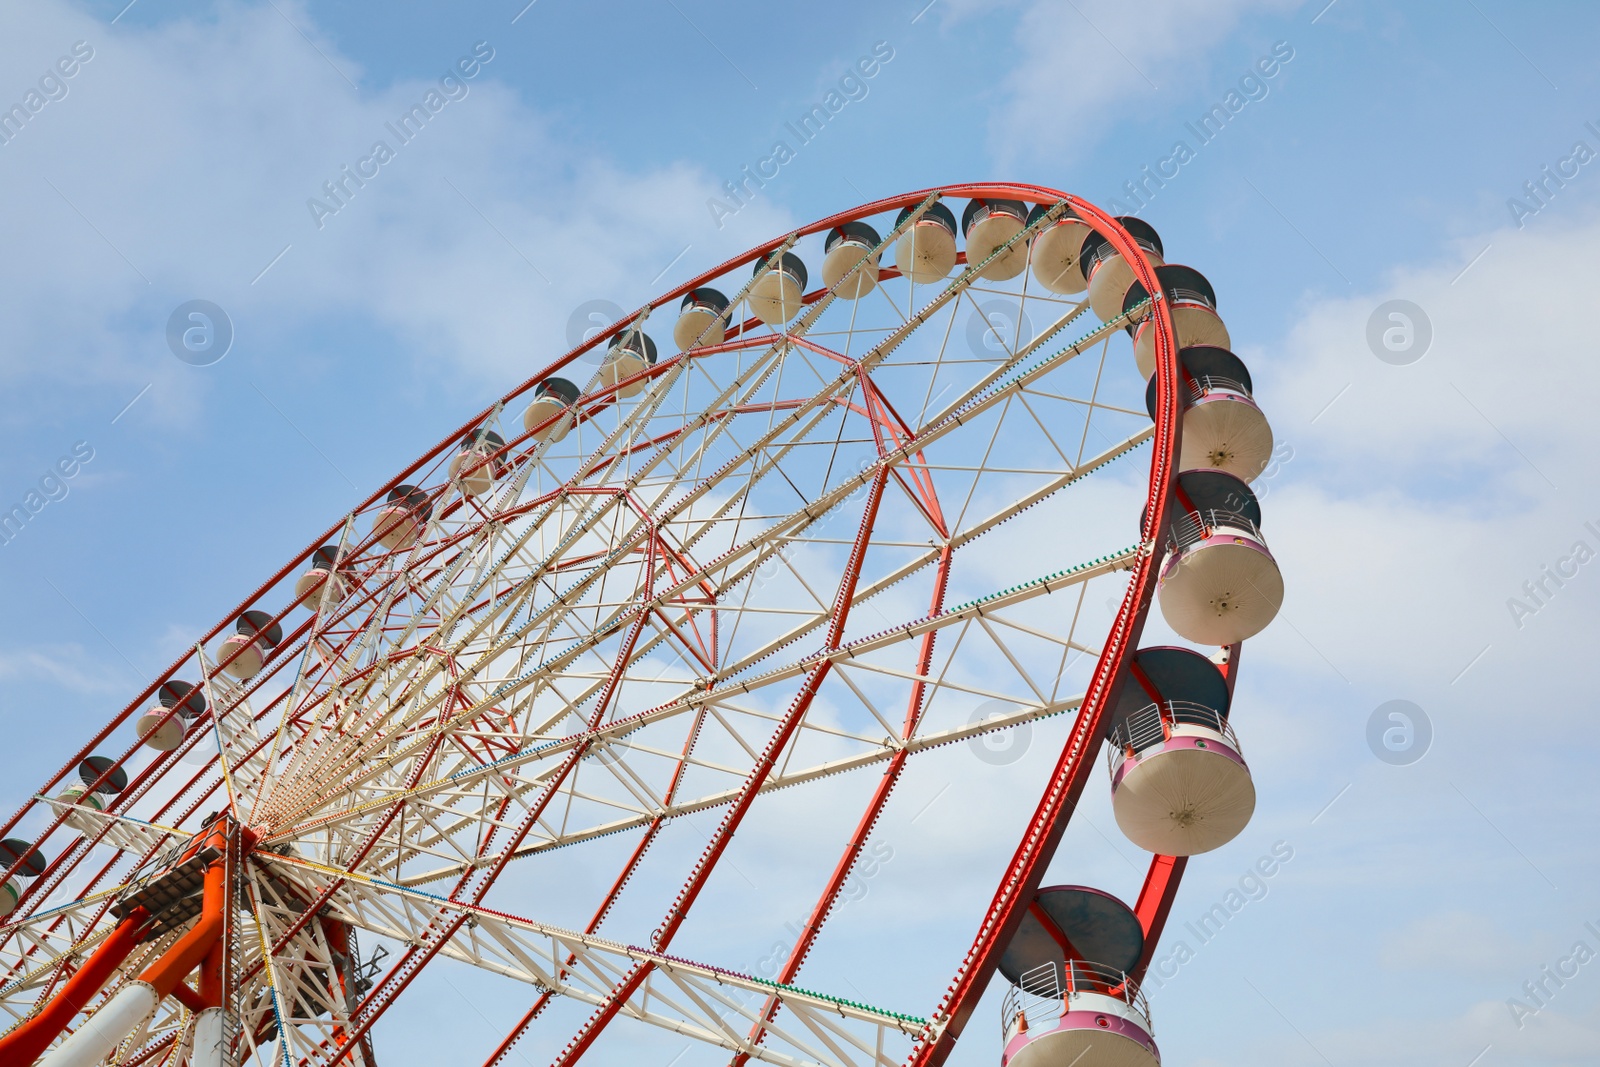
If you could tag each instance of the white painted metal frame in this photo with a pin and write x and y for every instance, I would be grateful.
(429, 729)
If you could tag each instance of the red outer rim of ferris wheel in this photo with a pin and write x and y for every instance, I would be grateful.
(1026, 869)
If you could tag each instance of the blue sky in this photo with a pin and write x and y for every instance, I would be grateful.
(1376, 163)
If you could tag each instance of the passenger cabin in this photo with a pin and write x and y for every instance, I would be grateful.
(1179, 785)
(164, 726)
(1055, 252)
(850, 260)
(632, 352)
(778, 293)
(478, 462)
(1223, 429)
(255, 636)
(989, 224)
(1193, 306)
(1072, 1002)
(1107, 273)
(1219, 584)
(702, 319)
(549, 416)
(926, 253)
(403, 517)
(307, 588)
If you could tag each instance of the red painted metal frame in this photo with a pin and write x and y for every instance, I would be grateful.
(1164, 877)
(679, 910)
(416, 957)
(25, 1043)
(1065, 785)
(610, 900)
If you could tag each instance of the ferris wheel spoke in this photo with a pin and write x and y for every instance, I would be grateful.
(384, 781)
(749, 381)
(637, 855)
(916, 706)
(653, 610)
(308, 751)
(405, 970)
(223, 696)
(696, 1000)
(645, 806)
(1021, 709)
(946, 425)
(505, 689)
(844, 382)
(856, 654)
(1040, 586)
(121, 832)
(369, 738)
(1095, 405)
(964, 535)
(42, 941)
(759, 775)
(1094, 397)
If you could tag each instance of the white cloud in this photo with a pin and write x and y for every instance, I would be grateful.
(1078, 64)
(1425, 491)
(1415, 506)
(1452, 939)
(183, 157)
(69, 667)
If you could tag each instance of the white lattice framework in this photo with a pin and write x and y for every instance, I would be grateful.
(770, 567)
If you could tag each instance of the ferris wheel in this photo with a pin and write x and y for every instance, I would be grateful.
(810, 542)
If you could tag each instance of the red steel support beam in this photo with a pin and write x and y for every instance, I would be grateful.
(414, 959)
(869, 818)
(604, 909)
(24, 1044)
(679, 910)
(1161, 882)
(184, 994)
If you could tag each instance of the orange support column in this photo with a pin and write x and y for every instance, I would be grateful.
(165, 977)
(193, 947)
(26, 1042)
(211, 976)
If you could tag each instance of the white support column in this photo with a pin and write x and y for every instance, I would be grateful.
(103, 1031)
(209, 1034)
